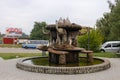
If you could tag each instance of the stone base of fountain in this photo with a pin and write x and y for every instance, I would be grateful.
(62, 70)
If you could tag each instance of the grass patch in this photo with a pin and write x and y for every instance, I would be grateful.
(11, 45)
(103, 54)
(18, 55)
(106, 54)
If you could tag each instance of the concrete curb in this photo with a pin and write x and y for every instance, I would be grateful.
(63, 70)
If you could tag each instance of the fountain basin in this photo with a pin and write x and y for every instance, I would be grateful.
(61, 69)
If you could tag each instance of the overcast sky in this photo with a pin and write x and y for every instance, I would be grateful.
(23, 13)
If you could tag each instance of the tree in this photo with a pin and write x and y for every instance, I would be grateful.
(103, 25)
(109, 24)
(95, 40)
(115, 22)
(36, 33)
(24, 35)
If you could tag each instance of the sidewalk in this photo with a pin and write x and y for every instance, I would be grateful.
(8, 71)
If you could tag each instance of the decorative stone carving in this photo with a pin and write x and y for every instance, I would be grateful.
(62, 59)
(61, 33)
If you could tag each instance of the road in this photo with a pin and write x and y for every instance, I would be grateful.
(18, 50)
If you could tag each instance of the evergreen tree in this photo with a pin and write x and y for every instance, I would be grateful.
(109, 24)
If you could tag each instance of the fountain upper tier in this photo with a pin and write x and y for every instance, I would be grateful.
(70, 27)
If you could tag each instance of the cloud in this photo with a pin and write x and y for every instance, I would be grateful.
(23, 13)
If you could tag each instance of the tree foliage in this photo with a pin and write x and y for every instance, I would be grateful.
(36, 33)
(24, 35)
(109, 24)
(91, 41)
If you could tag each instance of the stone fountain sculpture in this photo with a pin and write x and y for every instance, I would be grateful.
(62, 51)
(63, 42)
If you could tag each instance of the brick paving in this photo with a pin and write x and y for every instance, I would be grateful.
(8, 71)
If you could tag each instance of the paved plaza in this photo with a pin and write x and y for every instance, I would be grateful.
(8, 71)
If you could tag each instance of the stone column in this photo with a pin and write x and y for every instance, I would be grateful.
(90, 57)
(62, 59)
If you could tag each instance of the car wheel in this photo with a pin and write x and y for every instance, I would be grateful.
(118, 51)
(26, 47)
(102, 50)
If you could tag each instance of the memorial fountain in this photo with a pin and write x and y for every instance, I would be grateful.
(63, 50)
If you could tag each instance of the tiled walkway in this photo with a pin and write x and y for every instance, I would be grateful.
(8, 71)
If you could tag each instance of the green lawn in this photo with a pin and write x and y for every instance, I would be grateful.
(107, 55)
(102, 54)
(11, 45)
(16, 55)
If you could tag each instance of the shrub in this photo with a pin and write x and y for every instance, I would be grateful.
(91, 41)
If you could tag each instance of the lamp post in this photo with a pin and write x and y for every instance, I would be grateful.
(88, 38)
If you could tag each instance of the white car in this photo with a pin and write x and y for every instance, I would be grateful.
(110, 46)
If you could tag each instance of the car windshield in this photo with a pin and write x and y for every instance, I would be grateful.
(104, 44)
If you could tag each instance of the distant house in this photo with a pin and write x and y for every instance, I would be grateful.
(11, 35)
(10, 40)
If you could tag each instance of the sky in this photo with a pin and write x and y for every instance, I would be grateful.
(23, 13)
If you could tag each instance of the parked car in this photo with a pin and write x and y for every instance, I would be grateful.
(110, 46)
(34, 43)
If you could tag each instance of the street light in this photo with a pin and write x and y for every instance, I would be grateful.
(88, 38)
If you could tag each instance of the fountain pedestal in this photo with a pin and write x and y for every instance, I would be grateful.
(63, 56)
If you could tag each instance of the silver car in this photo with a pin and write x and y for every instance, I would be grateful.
(111, 46)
